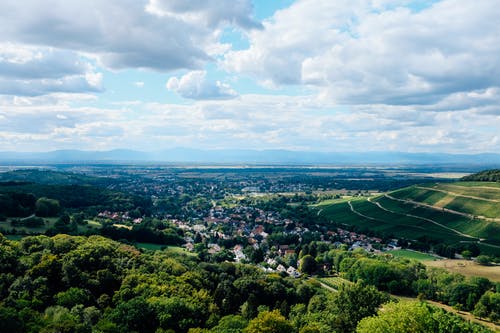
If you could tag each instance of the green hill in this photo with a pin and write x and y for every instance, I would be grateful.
(448, 213)
(484, 176)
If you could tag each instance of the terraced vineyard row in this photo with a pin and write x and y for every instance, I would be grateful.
(334, 282)
(481, 200)
(469, 213)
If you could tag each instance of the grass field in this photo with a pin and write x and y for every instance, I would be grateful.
(150, 246)
(405, 226)
(415, 255)
(15, 237)
(474, 227)
(467, 268)
(334, 282)
(411, 221)
(479, 199)
(49, 222)
(385, 222)
(166, 248)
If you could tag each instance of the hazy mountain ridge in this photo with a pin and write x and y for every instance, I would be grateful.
(185, 155)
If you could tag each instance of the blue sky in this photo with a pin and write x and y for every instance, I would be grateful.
(313, 75)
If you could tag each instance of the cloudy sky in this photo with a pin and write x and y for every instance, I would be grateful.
(315, 75)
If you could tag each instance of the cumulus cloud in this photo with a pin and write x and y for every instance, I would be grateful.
(122, 33)
(90, 82)
(356, 53)
(32, 71)
(248, 122)
(24, 62)
(195, 85)
(211, 13)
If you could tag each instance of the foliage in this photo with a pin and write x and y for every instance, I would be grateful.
(80, 284)
(484, 176)
(269, 322)
(415, 317)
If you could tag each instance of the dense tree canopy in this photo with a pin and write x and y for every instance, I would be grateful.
(94, 284)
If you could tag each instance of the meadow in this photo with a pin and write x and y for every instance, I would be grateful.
(414, 255)
(467, 268)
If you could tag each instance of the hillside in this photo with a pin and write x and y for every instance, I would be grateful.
(484, 176)
(449, 213)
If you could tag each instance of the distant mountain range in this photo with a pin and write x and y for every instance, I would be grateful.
(185, 155)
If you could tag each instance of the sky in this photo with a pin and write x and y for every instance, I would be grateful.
(305, 75)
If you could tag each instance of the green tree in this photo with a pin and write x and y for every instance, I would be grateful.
(230, 324)
(352, 303)
(72, 297)
(45, 207)
(269, 322)
(308, 264)
(483, 259)
(134, 315)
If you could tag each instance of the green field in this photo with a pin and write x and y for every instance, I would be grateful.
(478, 199)
(415, 255)
(15, 237)
(8, 227)
(411, 221)
(474, 227)
(334, 282)
(150, 246)
(166, 248)
(49, 222)
(386, 222)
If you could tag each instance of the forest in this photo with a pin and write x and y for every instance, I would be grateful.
(492, 175)
(94, 284)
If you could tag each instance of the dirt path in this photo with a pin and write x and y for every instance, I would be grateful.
(327, 287)
(456, 194)
(372, 218)
(362, 215)
(423, 219)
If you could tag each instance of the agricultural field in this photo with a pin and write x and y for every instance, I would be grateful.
(467, 268)
(49, 222)
(474, 227)
(150, 246)
(367, 216)
(334, 282)
(478, 199)
(414, 255)
(165, 248)
(8, 227)
(449, 213)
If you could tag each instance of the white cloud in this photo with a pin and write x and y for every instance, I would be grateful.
(250, 121)
(90, 82)
(31, 71)
(356, 54)
(195, 85)
(211, 13)
(139, 84)
(122, 33)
